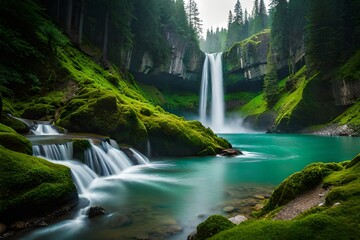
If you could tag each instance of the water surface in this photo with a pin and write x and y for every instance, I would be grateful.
(167, 199)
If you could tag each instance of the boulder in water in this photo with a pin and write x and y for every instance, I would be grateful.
(95, 211)
(230, 152)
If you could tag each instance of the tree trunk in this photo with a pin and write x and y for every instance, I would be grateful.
(58, 11)
(81, 24)
(105, 43)
(69, 16)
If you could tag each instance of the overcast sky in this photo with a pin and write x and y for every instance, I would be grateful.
(215, 12)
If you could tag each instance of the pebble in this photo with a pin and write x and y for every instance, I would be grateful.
(238, 219)
(321, 194)
(336, 204)
(321, 204)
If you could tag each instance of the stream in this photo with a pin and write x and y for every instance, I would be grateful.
(168, 197)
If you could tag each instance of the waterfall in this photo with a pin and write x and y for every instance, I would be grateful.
(217, 92)
(44, 129)
(204, 90)
(104, 160)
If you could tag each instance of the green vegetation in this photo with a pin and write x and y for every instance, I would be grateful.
(82, 96)
(298, 183)
(31, 186)
(213, 225)
(330, 221)
(14, 141)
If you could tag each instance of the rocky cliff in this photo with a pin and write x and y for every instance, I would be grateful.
(181, 70)
(245, 62)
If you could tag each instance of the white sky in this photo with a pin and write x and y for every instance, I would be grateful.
(215, 12)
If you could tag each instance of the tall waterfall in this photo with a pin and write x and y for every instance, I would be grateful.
(216, 122)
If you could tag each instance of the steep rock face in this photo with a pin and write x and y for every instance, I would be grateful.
(345, 92)
(245, 62)
(182, 69)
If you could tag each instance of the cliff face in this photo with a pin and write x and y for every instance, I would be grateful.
(181, 70)
(245, 62)
(345, 92)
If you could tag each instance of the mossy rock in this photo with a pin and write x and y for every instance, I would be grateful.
(80, 143)
(213, 225)
(14, 141)
(17, 125)
(176, 137)
(299, 182)
(31, 186)
(38, 111)
(103, 113)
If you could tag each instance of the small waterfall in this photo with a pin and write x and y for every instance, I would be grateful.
(104, 160)
(44, 129)
(54, 151)
(148, 148)
(82, 175)
(140, 158)
(217, 92)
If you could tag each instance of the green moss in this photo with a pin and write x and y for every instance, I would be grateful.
(29, 185)
(213, 225)
(38, 111)
(14, 141)
(17, 125)
(299, 182)
(350, 70)
(256, 106)
(80, 143)
(350, 117)
(326, 222)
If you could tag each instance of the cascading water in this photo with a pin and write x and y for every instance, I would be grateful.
(204, 90)
(104, 160)
(217, 92)
(44, 129)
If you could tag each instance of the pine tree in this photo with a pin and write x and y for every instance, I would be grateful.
(271, 91)
(193, 17)
(231, 34)
(238, 18)
(280, 29)
(262, 15)
(325, 36)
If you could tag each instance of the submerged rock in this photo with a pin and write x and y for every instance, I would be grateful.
(229, 209)
(230, 152)
(238, 219)
(119, 220)
(95, 211)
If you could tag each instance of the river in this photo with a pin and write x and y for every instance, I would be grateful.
(169, 197)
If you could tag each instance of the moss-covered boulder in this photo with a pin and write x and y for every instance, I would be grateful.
(31, 186)
(213, 225)
(101, 112)
(134, 123)
(14, 141)
(38, 111)
(298, 183)
(17, 125)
